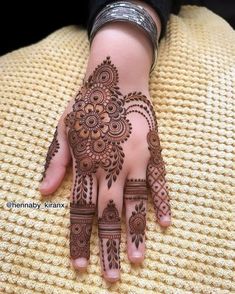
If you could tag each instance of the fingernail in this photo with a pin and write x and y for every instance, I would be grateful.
(136, 254)
(80, 263)
(165, 221)
(112, 275)
(43, 185)
(136, 257)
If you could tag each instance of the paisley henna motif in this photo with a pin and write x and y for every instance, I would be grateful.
(110, 234)
(53, 149)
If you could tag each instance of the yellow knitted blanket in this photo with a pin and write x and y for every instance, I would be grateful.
(192, 88)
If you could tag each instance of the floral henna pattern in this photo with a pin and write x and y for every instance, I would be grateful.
(98, 124)
(97, 128)
(137, 223)
(136, 190)
(109, 226)
(53, 149)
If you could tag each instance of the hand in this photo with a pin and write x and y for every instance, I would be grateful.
(114, 144)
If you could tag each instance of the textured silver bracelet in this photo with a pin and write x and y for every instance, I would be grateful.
(125, 11)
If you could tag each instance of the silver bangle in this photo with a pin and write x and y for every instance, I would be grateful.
(127, 12)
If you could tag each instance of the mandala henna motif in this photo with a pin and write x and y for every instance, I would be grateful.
(110, 230)
(53, 149)
(98, 125)
(97, 129)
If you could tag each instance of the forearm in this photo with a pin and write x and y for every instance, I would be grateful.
(130, 51)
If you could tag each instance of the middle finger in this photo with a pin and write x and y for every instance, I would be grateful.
(110, 203)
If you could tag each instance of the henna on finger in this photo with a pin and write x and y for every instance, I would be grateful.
(138, 103)
(137, 223)
(98, 126)
(81, 218)
(53, 149)
(82, 211)
(109, 226)
(136, 191)
(156, 177)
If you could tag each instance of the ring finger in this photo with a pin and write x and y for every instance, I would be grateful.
(135, 196)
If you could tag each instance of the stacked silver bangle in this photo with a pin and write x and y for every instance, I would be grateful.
(127, 12)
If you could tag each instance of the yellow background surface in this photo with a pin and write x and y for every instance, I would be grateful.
(192, 88)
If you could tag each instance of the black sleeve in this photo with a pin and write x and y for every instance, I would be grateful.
(162, 7)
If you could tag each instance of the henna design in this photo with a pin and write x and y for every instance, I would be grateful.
(136, 190)
(80, 229)
(53, 149)
(97, 128)
(156, 176)
(138, 103)
(98, 125)
(109, 226)
(81, 218)
(137, 223)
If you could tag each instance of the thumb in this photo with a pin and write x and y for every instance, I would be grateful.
(58, 157)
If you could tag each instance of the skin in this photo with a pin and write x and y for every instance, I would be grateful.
(130, 49)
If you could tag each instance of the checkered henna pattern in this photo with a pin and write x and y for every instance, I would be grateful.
(137, 103)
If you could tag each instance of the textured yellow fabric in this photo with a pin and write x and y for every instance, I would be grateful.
(193, 92)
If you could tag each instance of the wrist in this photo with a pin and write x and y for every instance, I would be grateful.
(129, 51)
(134, 25)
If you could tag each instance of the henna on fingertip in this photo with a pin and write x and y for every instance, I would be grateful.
(97, 128)
(156, 177)
(136, 192)
(81, 218)
(109, 227)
